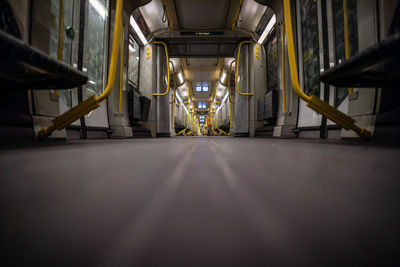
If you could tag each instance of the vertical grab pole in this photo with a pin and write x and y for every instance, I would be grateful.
(60, 34)
(283, 69)
(346, 33)
(121, 74)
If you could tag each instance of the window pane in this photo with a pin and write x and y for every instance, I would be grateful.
(205, 88)
(204, 105)
(133, 68)
(65, 95)
(198, 88)
(94, 46)
(272, 64)
(341, 93)
(200, 105)
(309, 26)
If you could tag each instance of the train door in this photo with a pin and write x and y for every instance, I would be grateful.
(328, 34)
(84, 47)
(70, 42)
(95, 58)
(308, 21)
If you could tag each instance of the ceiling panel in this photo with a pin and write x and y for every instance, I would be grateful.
(152, 14)
(202, 62)
(250, 15)
(202, 14)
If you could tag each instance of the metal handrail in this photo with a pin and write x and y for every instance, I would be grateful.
(167, 60)
(237, 69)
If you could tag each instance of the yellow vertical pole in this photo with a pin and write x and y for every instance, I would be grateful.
(346, 34)
(283, 69)
(121, 70)
(60, 34)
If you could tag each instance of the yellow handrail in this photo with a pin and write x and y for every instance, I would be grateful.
(114, 55)
(187, 125)
(237, 68)
(60, 34)
(283, 69)
(314, 102)
(229, 82)
(92, 102)
(346, 34)
(167, 60)
(173, 96)
(121, 70)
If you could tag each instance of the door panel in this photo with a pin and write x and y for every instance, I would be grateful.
(309, 59)
(94, 59)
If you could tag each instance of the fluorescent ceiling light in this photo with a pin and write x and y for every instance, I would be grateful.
(99, 7)
(180, 77)
(138, 31)
(264, 35)
(225, 97)
(223, 78)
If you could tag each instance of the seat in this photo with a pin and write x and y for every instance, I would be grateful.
(377, 66)
(25, 67)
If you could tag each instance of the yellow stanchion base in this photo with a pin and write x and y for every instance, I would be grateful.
(337, 116)
(70, 116)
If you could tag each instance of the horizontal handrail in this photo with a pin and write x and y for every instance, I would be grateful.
(167, 60)
(237, 69)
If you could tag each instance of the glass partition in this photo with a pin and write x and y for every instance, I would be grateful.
(133, 68)
(94, 47)
(310, 45)
(339, 33)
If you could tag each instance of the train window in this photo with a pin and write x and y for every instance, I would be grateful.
(133, 68)
(202, 105)
(340, 51)
(202, 87)
(272, 63)
(205, 86)
(65, 95)
(94, 47)
(198, 87)
(310, 41)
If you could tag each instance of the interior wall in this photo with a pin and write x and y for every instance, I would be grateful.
(148, 83)
(119, 122)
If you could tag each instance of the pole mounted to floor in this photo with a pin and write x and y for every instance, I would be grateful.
(314, 102)
(93, 102)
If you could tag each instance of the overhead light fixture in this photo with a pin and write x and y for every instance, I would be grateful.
(132, 48)
(138, 31)
(219, 93)
(225, 97)
(180, 100)
(223, 79)
(270, 24)
(180, 77)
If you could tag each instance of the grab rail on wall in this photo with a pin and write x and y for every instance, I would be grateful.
(237, 69)
(167, 60)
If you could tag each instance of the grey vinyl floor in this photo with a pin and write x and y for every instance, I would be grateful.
(205, 201)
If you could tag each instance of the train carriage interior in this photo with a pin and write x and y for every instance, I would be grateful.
(200, 132)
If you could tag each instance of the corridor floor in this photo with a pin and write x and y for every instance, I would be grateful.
(200, 201)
